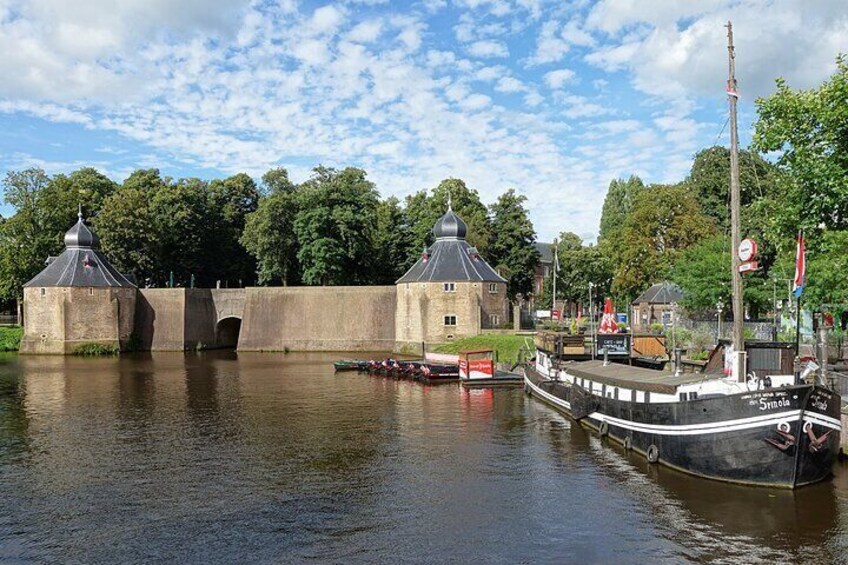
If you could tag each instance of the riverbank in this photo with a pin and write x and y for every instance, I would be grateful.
(506, 347)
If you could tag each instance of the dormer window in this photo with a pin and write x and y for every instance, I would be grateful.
(449, 287)
(473, 253)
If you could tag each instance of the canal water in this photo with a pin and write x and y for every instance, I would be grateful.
(272, 458)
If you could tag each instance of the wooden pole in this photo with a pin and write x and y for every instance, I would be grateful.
(738, 308)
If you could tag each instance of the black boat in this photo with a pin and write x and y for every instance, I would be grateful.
(769, 432)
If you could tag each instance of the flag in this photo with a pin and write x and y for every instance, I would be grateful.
(556, 259)
(608, 325)
(800, 266)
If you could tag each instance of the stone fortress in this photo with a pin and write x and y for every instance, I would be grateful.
(81, 299)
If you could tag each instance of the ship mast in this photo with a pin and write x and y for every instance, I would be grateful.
(738, 308)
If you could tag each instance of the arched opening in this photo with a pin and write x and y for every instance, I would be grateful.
(227, 333)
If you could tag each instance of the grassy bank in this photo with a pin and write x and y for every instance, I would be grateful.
(10, 338)
(506, 346)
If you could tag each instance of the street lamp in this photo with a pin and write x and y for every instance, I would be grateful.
(719, 308)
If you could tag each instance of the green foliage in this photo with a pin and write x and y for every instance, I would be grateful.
(621, 196)
(270, 237)
(392, 243)
(664, 221)
(335, 225)
(95, 350)
(709, 179)
(10, 338)
(703, 272)
(507, 347)
(512, 249)
(423, 211)
(579, 265)
(809, 131)
(827, 266)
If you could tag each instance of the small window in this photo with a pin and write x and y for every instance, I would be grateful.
(616, 393)
(43, 291)
(693, 395)
(494, 319)
(450, 287)
(91, 291)
(682, 396)
(450, 320)
(493, 288)
(647, 398)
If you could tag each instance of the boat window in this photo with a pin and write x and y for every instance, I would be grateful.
(682, 396)
(647, 397)
(693, 395)
(633, 395)
(603, 390)
(616, 393)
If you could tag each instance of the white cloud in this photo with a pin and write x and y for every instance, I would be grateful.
(366, 32)
(510, 84)
(485, 49)
(558, 78)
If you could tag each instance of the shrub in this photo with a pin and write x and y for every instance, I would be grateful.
(95, 349)
(10, 338)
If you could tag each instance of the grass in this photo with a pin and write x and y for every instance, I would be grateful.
(95, 349)
(505, 346)
(10, 338)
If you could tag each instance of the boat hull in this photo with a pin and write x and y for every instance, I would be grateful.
(782, 437)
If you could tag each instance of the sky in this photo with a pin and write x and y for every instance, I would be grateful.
(552, 98)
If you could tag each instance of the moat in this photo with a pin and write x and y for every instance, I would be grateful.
(252, 457)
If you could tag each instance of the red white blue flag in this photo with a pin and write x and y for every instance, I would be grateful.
(800, 266)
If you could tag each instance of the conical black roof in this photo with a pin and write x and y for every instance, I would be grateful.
(450, 258)
(81, 264)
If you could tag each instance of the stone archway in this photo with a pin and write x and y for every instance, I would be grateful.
(227, 332)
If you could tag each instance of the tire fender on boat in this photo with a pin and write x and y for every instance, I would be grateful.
(604, 429)
(628, 443)
(653, 454)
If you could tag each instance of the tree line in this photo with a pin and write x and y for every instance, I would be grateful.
(681, 232)
(332, 229)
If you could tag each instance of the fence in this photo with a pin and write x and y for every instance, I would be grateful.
(757, 330)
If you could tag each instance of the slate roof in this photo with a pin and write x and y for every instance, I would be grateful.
(546, 252)
(81, 264)
(661, 293)
(450, 258)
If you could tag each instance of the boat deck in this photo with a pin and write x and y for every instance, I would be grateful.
(626, 376)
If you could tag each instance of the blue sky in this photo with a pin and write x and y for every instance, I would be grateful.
(554, 99)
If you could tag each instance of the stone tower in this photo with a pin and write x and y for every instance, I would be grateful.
(450, 292)
(78, 299)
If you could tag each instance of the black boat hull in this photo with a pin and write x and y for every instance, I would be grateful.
(783, 437)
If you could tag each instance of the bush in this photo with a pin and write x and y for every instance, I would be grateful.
(656, 328)
(10, 338)
(95, 349)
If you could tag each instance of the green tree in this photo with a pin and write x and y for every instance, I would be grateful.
(269, 233)
(423, 211)
(231, 200)
(621, 196)
(579, 265)
(512, 250)
(664, 221)
(809, 131)
(334, 227)
(392, 244)
(277, 180)
(826, 268)
(703, 272)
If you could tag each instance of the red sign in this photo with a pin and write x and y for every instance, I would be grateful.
(747, 250)
(555, 314)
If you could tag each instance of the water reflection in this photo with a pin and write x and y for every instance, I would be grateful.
(218, 457)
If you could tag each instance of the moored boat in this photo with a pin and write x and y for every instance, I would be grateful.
(768, 431)
(350, 365)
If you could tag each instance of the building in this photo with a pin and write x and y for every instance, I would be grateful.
(450, 292)
(544, 267)
(655, 306)
(78, 299)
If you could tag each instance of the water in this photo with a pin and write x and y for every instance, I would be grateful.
(272, 458)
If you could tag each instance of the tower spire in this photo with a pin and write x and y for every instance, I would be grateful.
(450, 208)
(79, 210)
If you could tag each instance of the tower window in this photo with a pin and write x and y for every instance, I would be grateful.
(43, 291)
(494, 319)
(450, 320)
(493, 288)
(449, 287)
